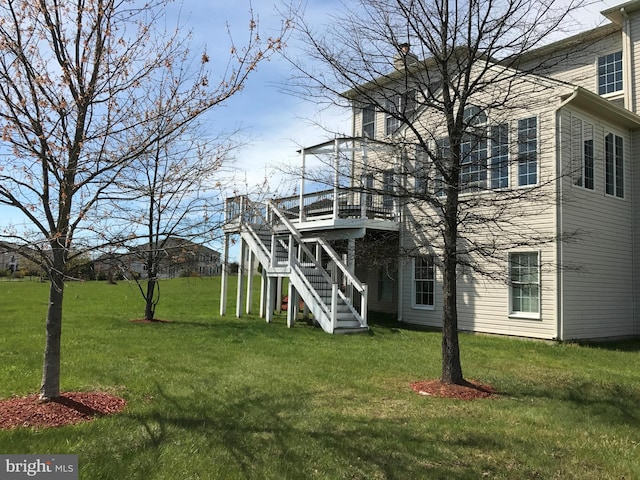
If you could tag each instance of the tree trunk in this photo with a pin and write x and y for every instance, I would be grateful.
(451, 367)
(50, 387)
(149, 310)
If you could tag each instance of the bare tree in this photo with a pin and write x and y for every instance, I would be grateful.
(435, 70)
(73, 102)
(170, 201)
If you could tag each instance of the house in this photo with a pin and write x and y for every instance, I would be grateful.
(572, 136)
(176, 257)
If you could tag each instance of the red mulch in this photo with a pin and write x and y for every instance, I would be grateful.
(70, 408)
(471, 391)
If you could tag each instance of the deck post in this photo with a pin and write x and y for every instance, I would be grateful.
(271, 290)
(364, 194)
(291, 311)
(336, 178)
(225, 275)
(302, 178)
(351, 264)
(250, 261)
(263, 292)
(240, 289)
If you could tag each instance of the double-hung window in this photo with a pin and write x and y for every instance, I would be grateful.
(473, 151)
(610, 73)
(500, 156)
(582, 153)
(398, 106)
(369, 121)
(524, 277)
(421, 171)
(423, 282)
(527, 151)
(614, 165)
(444, 153)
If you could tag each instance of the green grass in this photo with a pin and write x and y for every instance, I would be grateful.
(211, 397)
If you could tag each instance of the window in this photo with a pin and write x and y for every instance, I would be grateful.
(582, 153)
(527, 151)
(391, 122)
(614, 165)
(610, 73)
(444, 151)
(500, 156)
(421, 171)
(367, 183)
(369, 122)
(524, 275)
(423, 281)
(473, 151)
(402, 105)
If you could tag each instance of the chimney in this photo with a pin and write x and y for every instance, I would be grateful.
(404, 57)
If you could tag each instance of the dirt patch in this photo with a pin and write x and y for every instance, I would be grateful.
(470, 391)
(69, 409)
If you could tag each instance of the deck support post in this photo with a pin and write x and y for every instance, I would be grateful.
(240, 289)
(271, 298)
(263, 292)
(278, 298)
(302, 175)
(250, 260)
(351, 264)
(291, 309)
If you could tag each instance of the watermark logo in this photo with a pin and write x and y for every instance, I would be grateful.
(45, 467)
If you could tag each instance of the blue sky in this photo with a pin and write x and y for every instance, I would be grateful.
(274, 124)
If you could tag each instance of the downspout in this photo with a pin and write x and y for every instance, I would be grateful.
(559, 220)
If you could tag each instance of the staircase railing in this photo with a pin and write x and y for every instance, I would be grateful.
(316, 270)
(341, 282)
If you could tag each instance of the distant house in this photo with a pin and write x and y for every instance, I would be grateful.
(579, 138)
(176, 257)
(10, 261)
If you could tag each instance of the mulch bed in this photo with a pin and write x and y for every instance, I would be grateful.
(70, 408)
(471, 391)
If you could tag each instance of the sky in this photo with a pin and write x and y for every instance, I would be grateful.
(273, 124)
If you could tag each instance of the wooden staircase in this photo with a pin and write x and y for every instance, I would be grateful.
(330, 290)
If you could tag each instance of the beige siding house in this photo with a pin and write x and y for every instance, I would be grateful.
(570, 133)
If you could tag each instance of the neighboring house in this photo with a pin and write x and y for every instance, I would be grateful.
(177, 257)
(344, 250)
(10, 261)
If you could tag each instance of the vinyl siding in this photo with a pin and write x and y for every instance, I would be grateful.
(598, 261)
(483, 302)
(578, 65)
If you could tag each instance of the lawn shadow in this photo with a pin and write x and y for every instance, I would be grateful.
(609, 404)
(259, 435)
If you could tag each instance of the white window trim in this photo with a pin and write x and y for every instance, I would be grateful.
(581, 159)
(516, 168)
(414, 305)
(625, 160)
(615, 93)
(525, 315)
